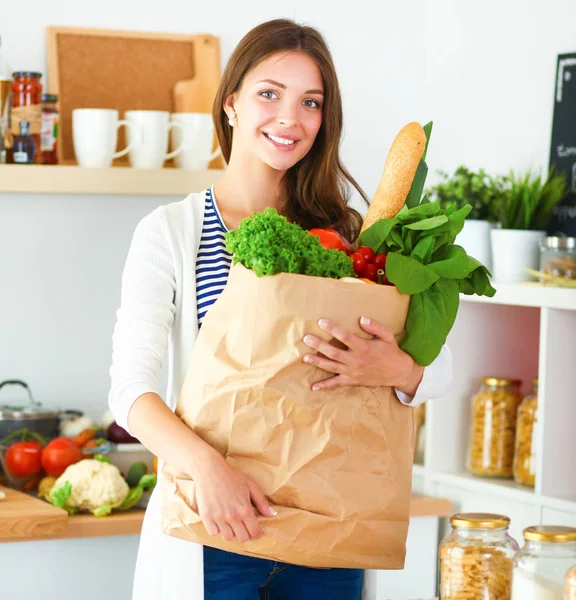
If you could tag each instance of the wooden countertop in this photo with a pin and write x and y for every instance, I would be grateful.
(25, 518)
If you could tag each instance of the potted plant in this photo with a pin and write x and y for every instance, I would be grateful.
(480, 191)
(523, 213)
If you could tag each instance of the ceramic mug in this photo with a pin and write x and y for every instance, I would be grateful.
(95, 135)
(196, 136)
(154, 127)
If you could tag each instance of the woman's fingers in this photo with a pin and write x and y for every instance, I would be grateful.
(226, 531)
(211, 526)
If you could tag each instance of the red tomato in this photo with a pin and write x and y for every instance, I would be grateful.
(23, 459)
(59, 454)
(367, 253)
(329, 239)
(380, 261)
(370, 272)
(359, 263)
(346, 243)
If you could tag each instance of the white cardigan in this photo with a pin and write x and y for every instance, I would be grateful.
(158, 312)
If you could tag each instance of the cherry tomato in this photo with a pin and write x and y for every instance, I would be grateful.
(359, 263)
(367, 253)
(370, 272)
(328, 239)
(23, 459)
(59, 454)
(380, 261)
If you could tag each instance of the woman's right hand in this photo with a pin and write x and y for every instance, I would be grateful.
(226, 500)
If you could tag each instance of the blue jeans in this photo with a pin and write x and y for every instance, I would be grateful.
(229, 576)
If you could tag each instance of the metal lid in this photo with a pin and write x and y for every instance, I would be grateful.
(12, 413)
(559, 242)
(479, 521)
(500, 381)
(49, 98)
(27, 74)
(554, 534)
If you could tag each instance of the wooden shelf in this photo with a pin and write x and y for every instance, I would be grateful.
(64, 179)
(528, 294)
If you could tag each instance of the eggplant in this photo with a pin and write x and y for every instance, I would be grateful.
(117, 434)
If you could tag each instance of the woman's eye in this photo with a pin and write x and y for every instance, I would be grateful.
(267, 94)
(312, 103)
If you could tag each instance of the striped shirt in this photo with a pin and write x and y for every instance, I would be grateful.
(213, 262)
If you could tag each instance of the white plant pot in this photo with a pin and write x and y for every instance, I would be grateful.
(512, 251)
(475, 239)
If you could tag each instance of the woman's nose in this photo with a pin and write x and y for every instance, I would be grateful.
(288, 116)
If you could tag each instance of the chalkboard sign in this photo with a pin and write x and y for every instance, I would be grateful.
(563, 147)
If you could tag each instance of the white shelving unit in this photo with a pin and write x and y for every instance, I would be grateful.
(525, 331)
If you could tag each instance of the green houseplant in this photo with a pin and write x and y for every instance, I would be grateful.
(523, 213)
(479, 190)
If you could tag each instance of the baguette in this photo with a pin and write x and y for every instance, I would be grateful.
(399, 172)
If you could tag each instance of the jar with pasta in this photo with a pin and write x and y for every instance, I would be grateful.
(494, 414)
(541, 565)
(570, 587)
(476, 558)
(525, 450)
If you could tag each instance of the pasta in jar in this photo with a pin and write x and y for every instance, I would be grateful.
(525, 455)
(570, 589)
(494, 414)
(476, 558)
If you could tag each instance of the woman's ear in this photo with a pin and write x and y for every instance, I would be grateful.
(229, 109)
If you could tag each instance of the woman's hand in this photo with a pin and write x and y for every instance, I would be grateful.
(226, 500)
(373, 362)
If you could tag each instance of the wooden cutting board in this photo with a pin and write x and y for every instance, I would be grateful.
(23, 516)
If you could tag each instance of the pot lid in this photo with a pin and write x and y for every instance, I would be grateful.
(33, 410)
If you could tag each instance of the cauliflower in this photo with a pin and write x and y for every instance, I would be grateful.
(91, 485)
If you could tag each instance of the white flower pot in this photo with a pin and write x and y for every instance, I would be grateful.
(512, 251)
(475, 239)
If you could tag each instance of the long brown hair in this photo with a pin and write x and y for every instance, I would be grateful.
(315, 191)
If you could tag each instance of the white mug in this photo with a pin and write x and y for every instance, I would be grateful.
(154, 127)
(95, 135)
(196, 135)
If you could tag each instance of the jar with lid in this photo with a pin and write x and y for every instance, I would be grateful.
(49, 129)
(558, 256)
(570, 587)
(541, 565)
(494, 415)
(476, 558)
(526, 432)
(27, 105)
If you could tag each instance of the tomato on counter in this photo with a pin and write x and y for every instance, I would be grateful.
(23, 459)
(59, 454)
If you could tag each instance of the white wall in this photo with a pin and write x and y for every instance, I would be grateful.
(483, 72)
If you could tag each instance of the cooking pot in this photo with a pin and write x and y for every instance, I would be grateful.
(33, 416)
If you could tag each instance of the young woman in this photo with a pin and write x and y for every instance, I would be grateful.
(278, 116)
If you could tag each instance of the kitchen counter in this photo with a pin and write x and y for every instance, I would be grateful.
(25, 518)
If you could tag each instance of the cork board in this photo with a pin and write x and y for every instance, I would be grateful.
(126, 70)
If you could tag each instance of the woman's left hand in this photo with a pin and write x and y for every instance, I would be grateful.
(371, 362)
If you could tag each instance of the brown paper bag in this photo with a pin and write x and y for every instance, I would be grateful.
(336, 464)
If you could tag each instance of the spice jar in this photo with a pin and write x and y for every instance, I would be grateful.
(570, 587)
(494, 414)
(476, 558)
(27, 105)
(540, 566)
(558, 256)
(525, 452)
(49, 129)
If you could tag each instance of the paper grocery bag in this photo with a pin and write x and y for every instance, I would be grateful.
(336, 464)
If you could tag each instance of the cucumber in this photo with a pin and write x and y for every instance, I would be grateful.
(136, 472)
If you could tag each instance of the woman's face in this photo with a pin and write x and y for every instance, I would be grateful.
(278, 109)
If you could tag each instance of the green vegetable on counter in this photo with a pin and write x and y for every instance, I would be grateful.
(269, 244)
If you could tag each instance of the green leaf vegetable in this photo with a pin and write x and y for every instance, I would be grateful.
(424, 262)
(269, 244)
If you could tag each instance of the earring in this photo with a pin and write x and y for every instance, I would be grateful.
(232, 121)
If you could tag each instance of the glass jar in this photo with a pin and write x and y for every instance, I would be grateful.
(27, 106)
(570, 587)
(494, 415)
(541, 565)
(476, 558)
(558, 256)
(525, 452)
(49, 129)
